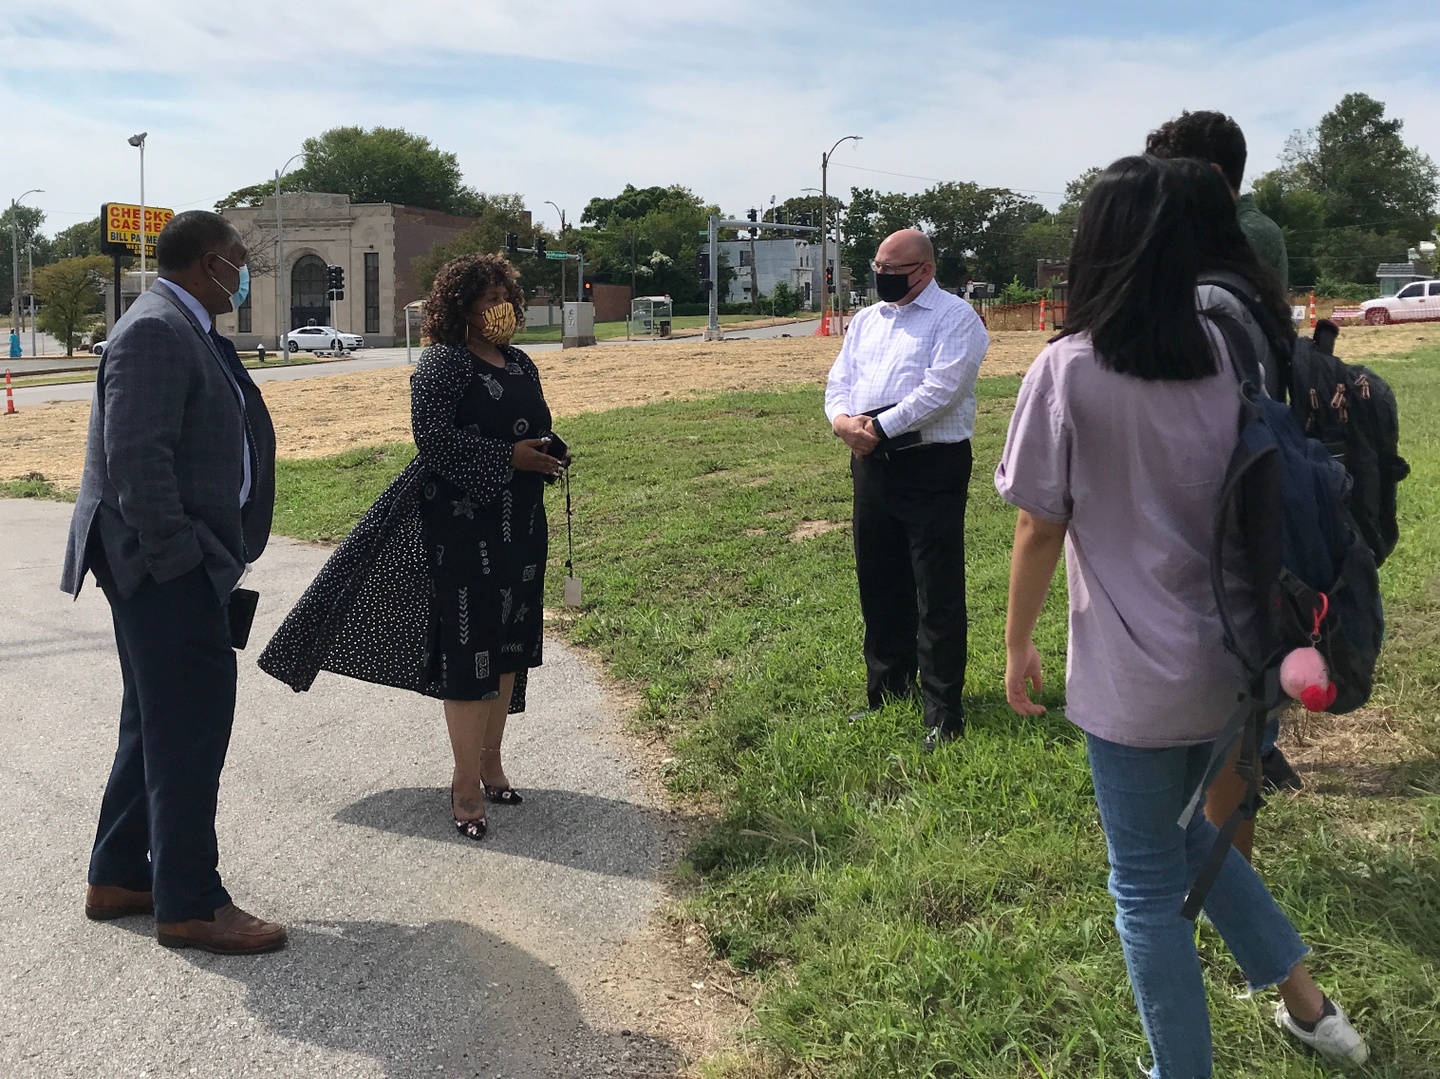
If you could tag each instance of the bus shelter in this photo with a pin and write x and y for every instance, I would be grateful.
(650, 316)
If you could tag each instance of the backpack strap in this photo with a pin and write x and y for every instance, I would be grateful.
(1238, 347)
(1244, 291)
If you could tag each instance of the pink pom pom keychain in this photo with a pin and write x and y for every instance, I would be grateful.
(1304, 674)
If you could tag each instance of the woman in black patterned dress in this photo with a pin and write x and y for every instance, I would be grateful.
(482, 425)
(438, 589)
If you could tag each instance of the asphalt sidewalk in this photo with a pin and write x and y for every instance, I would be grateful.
(412, 952)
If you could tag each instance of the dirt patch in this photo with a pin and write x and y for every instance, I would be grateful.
(810, 529)
(1358, 344)
(1364, 752)
(324, 415)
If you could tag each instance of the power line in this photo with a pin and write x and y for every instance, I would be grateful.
(937, 180)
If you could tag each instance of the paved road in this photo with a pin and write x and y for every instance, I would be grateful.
(413, 952)
(371, 359)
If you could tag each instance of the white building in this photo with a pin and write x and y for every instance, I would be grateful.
(795, 262)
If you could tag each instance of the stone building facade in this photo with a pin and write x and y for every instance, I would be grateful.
(375, 243)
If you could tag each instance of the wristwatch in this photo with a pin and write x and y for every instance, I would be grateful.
(880, 431)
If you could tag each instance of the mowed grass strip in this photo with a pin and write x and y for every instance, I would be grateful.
(946, 916)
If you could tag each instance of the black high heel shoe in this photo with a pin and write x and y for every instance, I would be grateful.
(502, 795)
(470, 829)
(506, 795)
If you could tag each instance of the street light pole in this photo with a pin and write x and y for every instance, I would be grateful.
(562, 245)
(139, 140)
(824, 253)
(30, 273)
(15, 254)
(280, 320)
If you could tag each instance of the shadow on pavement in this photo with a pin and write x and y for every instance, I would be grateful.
(579, 831)
(439, 999)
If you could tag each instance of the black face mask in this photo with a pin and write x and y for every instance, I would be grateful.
(891, 287)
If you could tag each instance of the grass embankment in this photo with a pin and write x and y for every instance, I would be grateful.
(947, 916)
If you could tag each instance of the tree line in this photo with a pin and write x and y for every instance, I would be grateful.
(1349, 194)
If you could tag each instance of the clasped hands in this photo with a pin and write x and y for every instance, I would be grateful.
(857, 432)
(529, 456)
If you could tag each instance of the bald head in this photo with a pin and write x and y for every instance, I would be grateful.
(908, 254)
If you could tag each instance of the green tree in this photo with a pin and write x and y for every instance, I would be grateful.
(651, 236)
(1350, 194)
(20, 224)
(78, 240)
(69, 291)
(873, 215)
(1357, 161)
(784, 300)
(383, 164)
(498, 215)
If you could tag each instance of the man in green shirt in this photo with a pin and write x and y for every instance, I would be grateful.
(1215, 138)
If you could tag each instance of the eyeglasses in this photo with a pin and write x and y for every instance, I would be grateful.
(894, 267)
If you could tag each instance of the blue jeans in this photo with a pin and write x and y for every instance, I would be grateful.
(1141, 794)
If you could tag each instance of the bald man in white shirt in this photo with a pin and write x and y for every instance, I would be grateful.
(901, 395)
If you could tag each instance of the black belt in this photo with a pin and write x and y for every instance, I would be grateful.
(887, 452)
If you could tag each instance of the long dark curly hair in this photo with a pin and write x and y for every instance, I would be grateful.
(458, 284)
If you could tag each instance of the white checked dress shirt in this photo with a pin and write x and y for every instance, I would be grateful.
(922, 358)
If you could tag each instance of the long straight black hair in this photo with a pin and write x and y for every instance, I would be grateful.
(1148, 231)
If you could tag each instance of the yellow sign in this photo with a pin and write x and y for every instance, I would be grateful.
(120, 227)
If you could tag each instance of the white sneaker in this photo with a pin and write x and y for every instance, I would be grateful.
(1333, 1036)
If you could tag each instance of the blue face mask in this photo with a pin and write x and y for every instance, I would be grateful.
(242, 290)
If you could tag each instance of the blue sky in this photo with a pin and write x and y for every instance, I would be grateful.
(564, 100)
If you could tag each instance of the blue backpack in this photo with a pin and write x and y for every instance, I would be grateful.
(1286, 502)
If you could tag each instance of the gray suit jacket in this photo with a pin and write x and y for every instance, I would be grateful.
(160, 493)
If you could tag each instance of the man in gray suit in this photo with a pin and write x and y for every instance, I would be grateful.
(174, 503)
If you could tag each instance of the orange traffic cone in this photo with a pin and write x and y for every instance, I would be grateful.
(9, 395)
(1042, 314)
(1312, 310)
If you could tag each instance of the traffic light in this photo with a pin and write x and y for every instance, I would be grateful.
(335, 282)
(587, 292)
(702, 264)
(805, 219)
(830, 277)
(752, 216)
(512, 244)
(539, 246)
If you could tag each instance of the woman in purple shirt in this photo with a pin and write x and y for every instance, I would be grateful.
(1117, 450)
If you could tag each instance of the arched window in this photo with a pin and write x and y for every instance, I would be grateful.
(307, 292)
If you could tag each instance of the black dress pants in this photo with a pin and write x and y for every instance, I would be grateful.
(157, 820)
(909, 529)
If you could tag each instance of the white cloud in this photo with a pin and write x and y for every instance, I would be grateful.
(569, 99)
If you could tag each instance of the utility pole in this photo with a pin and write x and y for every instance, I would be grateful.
(562, 246)
(281, 321)
(754, 273)
(30, 261)
(824, 252)
(15, 254)
(139, 140)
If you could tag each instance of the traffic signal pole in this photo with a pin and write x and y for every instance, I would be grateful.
(712, 331)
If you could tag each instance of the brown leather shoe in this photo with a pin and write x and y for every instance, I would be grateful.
(231, 932)
(106, 901)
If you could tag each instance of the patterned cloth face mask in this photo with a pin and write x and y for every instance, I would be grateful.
(497, 325)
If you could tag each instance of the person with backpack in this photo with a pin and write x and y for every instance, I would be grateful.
(1117, 453)
(1216, 139)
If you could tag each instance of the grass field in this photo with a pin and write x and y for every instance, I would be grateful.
(611, 331)
(946, 916)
